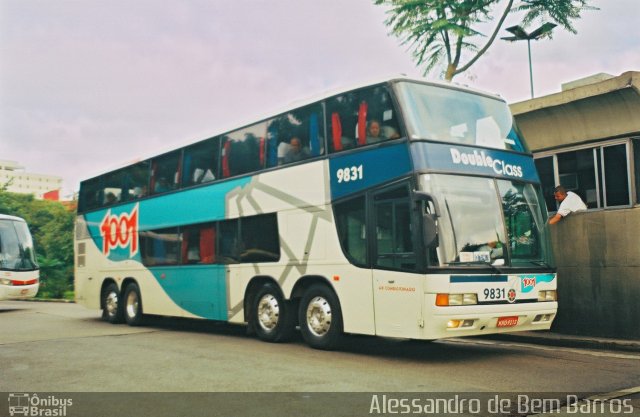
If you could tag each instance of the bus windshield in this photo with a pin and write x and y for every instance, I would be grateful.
(455, 116)
(488, 221)
(16, 247)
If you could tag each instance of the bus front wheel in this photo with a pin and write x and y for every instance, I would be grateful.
(272, 316)
(133, 305)
(111, 305)
(320, 318)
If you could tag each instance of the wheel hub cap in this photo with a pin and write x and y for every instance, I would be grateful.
(112, 303)
(132, 304)
(319, 316)
(268, 312)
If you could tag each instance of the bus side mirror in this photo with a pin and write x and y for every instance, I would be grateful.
(429, 231)
(427, 198)
(430, 213)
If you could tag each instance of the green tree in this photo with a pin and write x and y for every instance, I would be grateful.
(448, 31)
(51, 225)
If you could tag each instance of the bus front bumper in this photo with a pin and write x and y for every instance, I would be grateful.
(18, 291)
(489, 319)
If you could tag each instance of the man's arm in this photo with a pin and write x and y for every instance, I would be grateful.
(555, 219)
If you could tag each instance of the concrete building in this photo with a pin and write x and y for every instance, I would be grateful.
(17, 180)
(587, 138)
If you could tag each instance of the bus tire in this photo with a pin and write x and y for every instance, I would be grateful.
(133, 305)
(272, 317)
(320, 318)
(111, 304)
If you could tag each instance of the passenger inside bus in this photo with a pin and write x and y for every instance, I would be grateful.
(296, 151)
(376, 132)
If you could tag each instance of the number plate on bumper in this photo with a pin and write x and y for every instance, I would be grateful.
(507, 321)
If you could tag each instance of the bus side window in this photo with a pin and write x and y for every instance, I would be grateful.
(198, 244)
(243, 150)
(296, 136)
(260, 238)
(111, 192)
(342, 126)
(361, 118)
(394, 234)
(228, 244)
(200, 163)
(136, 180)
(165, 173)
(160, 247)
(90, 195)
(351, 226)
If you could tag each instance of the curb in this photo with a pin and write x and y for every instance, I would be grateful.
(44, 300)
(561, 340)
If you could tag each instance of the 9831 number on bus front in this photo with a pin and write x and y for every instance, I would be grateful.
(498, 294)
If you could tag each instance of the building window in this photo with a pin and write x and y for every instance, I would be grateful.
(616, 176)
(636, 164)
(576, 172)
(599, 175)
(546, 171)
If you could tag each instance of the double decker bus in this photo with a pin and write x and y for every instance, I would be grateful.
(19, 272)
(402, 208)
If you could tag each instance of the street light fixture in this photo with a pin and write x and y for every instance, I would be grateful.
(520, 35)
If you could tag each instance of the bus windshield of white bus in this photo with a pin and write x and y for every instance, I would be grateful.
(488, 221)
(16, 247)
(455, 116)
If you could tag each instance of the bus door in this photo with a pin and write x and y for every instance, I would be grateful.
(398, 290)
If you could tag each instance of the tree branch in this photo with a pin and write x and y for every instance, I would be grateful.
(489, 42)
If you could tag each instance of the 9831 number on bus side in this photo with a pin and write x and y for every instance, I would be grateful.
(348, 174)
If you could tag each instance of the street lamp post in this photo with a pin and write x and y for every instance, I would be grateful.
(520, 34)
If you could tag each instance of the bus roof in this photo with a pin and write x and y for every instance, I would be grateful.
(14, 218)
(246, 121)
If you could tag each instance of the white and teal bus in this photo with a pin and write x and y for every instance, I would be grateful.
(403, 208)
(19, 271)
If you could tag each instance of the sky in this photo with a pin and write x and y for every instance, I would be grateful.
(88, 86)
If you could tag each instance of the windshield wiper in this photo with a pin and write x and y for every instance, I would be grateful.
(474, 263)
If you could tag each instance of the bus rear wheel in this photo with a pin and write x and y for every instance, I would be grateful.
(320, 318)
(272, 317)
(111, 306)
(133, 305)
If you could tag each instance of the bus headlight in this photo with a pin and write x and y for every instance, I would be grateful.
(549, 295)
(5, 281)
(443, 300)
(455, 324)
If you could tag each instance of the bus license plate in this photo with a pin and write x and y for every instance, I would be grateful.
(507, 321)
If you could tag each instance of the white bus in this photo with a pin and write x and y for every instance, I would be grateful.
(19, 273)
(403, 208)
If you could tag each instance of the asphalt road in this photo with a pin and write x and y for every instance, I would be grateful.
(65, 348)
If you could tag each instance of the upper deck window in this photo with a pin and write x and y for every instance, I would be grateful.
(200, 162)
(361, 118)
(456, 116)
(165, 172)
